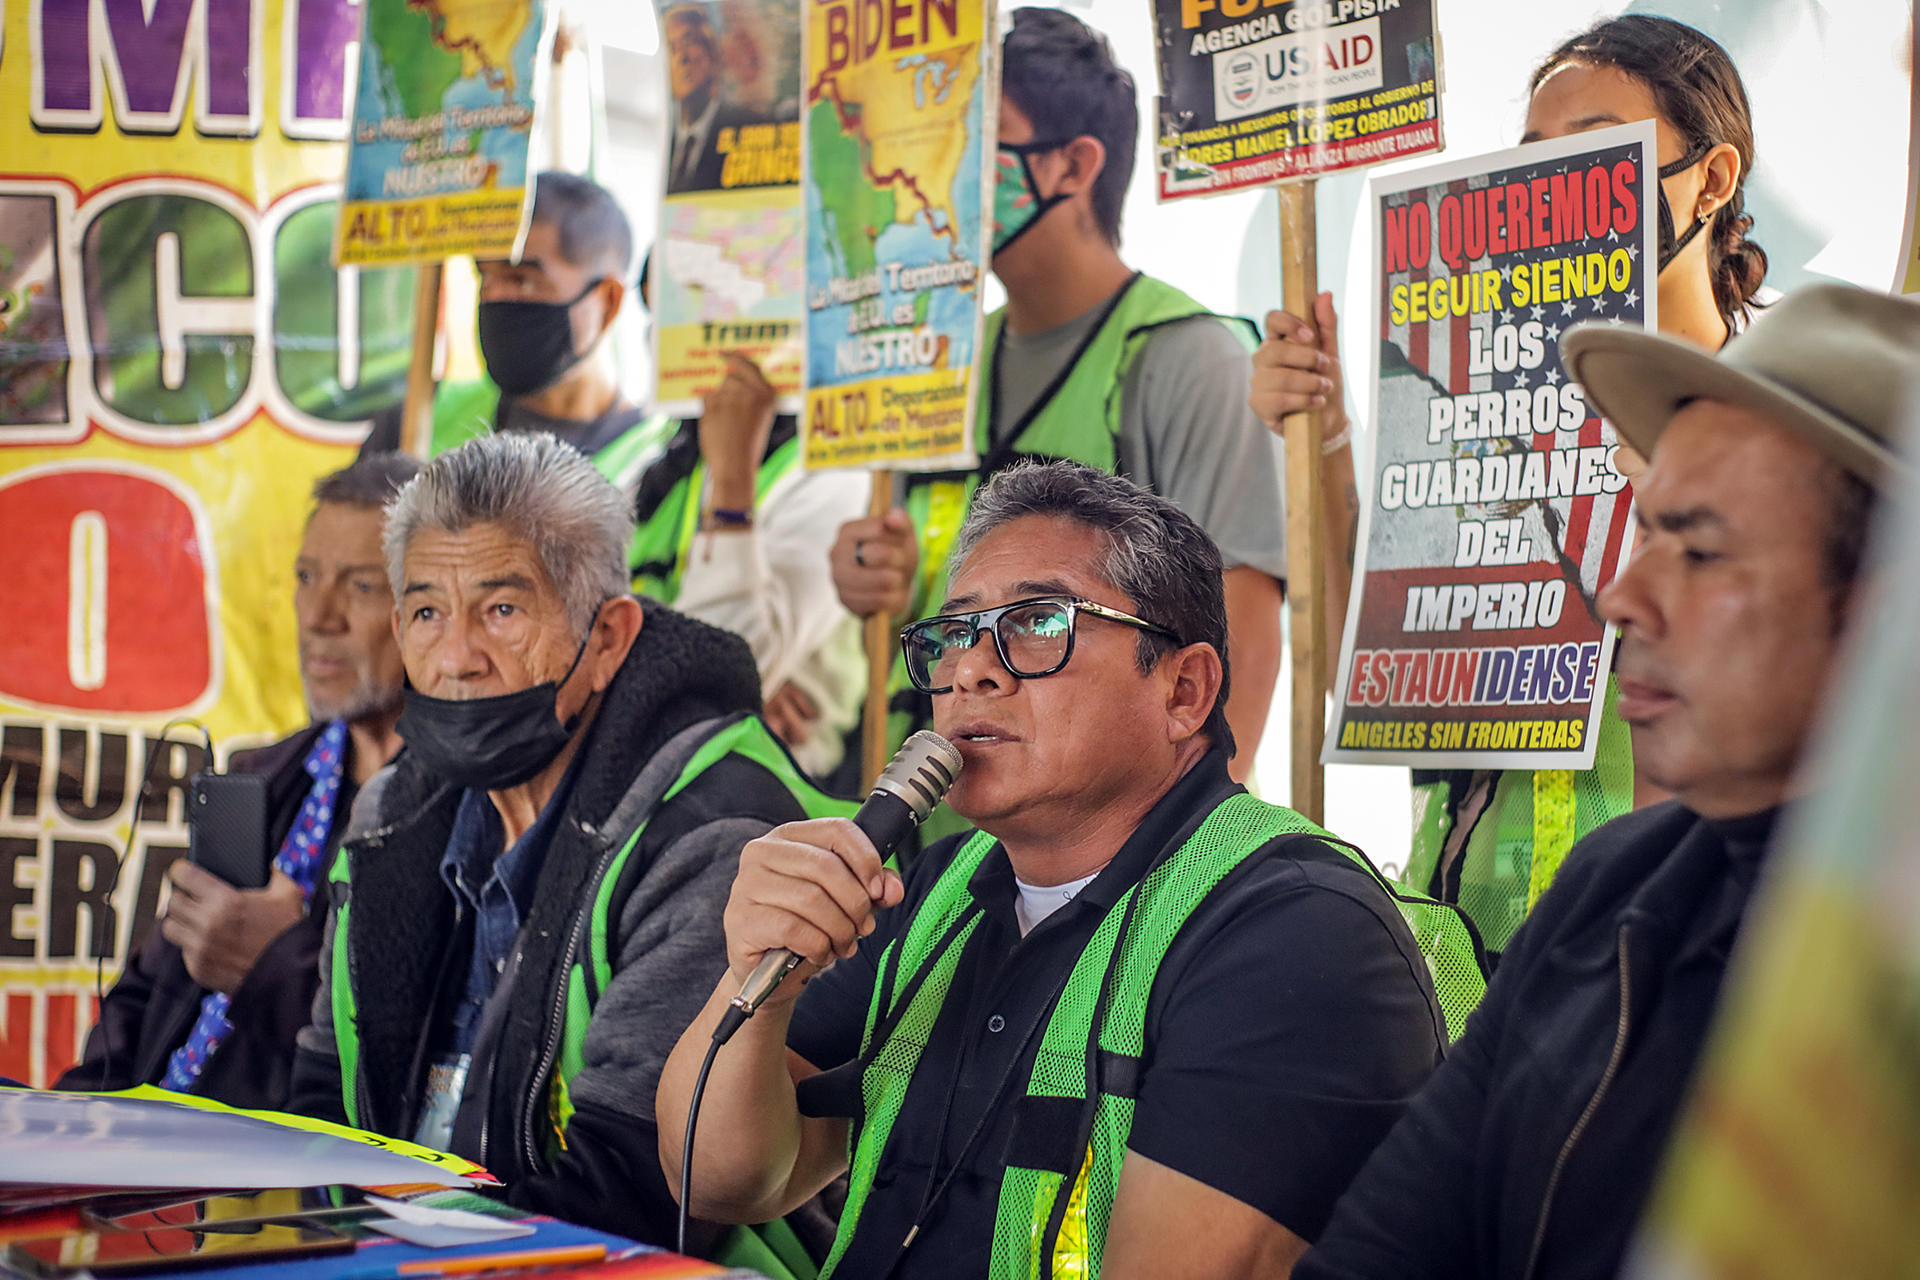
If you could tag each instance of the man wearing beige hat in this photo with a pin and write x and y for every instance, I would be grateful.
(1531, 1151)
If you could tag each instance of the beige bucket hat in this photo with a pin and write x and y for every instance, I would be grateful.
(1830, 361)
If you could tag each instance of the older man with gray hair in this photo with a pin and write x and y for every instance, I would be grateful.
(536, 910)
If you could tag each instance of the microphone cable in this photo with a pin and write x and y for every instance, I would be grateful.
(907, 790)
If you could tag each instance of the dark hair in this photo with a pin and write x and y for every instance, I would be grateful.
(698, 24)
(1698, 91)
(1156, 556)
(1851, 502)
(1062, 75)
(371, 481)
(594, 234)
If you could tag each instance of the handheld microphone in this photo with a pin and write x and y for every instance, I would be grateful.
(904, 794)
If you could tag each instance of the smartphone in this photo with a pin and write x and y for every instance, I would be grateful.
(227, 1212)
(105, 1253)
(227, 827)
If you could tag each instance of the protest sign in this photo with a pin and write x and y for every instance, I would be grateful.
(1906, 277)
(1799, 1151)
(181, 362)
(1250, 95)
(728, 274)
(896, 164)
(1498, 514)
(442, 127)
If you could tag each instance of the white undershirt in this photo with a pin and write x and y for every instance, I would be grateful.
(1038, 901)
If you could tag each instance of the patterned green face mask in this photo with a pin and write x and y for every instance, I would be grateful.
(1017, 202)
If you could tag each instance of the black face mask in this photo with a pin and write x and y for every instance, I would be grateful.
(1669, 247)
(528, 346)
(490, 744)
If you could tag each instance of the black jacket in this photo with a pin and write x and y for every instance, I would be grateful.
(153, 1006)
(408, 942)
(1532, 1151)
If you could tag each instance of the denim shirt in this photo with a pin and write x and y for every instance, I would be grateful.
(498, 888)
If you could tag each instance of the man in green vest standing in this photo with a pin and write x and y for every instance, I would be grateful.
(1140, 1024)
(1094, 362)
(537, 904)
(546, 326)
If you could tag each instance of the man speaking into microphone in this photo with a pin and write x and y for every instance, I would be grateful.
(1137, 1024)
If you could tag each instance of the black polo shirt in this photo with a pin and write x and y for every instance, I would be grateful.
(1287, 1027)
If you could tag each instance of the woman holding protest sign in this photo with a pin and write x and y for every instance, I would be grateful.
(1479, 837)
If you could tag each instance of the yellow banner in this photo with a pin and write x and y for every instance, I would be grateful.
(182, 363)
(383, 232)
(889, 424)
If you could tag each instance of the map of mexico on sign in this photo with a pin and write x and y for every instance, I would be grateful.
(728, 275)
(1255, 93)
(897, 144)
(442, 130)
(1499, 513)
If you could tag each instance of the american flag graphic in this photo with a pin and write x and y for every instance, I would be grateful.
(1584, 532)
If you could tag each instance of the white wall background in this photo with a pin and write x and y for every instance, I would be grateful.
(1829, 85)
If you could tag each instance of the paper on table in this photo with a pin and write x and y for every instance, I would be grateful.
(89, 1140)
(441, 1228)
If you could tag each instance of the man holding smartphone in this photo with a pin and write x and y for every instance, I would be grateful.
(214, 998)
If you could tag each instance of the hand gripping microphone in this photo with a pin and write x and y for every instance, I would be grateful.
(904, 794)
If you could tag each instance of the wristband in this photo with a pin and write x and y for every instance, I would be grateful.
(729, 518)
(1336, 442)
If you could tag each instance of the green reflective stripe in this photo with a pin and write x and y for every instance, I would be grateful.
(1516, 848)
(749, 738)
(346, 1027)
(667, 538)
(573, 1046)
(883, 1085)
(621, 459)
(1161, 904)
(771, 1249)
(462, 411)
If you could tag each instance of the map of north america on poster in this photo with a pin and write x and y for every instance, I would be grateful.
(442, 128)
(896, 143)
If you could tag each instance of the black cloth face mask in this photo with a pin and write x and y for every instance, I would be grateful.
(528, 346)
(490, 744)
(1669, 247)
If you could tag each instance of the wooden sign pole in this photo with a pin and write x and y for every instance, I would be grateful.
(1306, 561)
(874, 748)
(416, 429)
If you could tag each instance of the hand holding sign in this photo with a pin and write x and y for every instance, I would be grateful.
(873, 563)
(1297, 369)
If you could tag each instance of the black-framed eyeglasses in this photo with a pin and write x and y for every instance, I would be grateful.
(1033, 637)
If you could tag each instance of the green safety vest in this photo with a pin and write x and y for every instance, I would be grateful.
(464, 411)
(591, 969)
(1052, 1222)
(661, 545)
(1531, 820)
(1078, 419)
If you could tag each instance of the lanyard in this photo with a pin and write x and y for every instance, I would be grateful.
(938, 1183)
